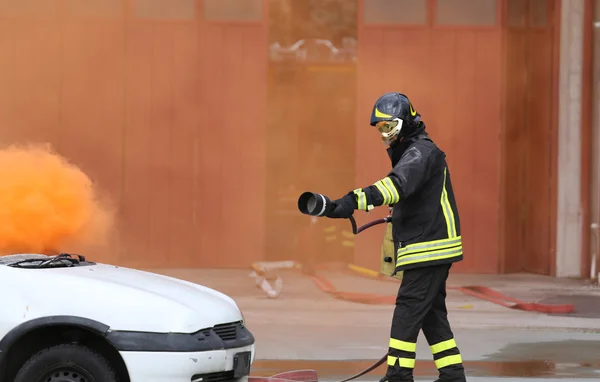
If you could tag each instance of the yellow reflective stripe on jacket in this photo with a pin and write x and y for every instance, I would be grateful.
(384, 192)
(393, 191)
(429, 256)
(408, 363)
(388, 191)
(410, 347)
(443, 346)
(361, 200)
(447, 209)
(430, 245)
(447, 361)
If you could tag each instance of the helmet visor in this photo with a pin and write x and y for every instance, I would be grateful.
(386, 127)
(389, 130)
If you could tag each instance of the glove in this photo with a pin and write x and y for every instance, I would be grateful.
(344, 207)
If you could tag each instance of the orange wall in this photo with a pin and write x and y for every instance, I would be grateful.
(149, 108)
(233, 143)
(529, 139)
(170, 117)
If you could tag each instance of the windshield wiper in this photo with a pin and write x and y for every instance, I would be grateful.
(47, 263)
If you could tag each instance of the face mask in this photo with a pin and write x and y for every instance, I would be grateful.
(389, 130)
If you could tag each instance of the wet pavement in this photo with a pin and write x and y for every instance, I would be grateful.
(306, 328)
(338, 370)
(566, 352)
(501, 353)
(585, 305)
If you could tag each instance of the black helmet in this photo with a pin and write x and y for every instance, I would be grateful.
(394, 116)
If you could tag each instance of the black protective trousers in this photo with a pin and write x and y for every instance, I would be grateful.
(421, 304)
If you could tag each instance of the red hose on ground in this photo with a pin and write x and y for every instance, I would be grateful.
(500, 299)
(481, 292)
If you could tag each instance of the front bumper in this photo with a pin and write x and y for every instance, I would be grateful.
(209, 355)
(224, 336)
(206, 366)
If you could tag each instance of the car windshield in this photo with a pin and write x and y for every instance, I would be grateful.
(42, 261)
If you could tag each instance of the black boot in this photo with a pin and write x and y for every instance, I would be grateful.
(397, 374)
(456, 379)
(388, 379)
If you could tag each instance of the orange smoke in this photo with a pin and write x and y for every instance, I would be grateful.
(47, 205)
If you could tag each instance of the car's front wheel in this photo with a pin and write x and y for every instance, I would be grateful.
(66, 363)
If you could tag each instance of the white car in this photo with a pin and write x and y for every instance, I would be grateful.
(65, 319)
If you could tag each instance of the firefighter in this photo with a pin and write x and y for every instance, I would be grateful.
(426, 234)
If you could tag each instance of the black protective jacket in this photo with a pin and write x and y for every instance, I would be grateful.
(425, 221)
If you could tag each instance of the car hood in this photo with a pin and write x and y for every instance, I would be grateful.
(122, 298)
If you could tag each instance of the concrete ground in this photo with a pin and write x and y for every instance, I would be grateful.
(307, 328)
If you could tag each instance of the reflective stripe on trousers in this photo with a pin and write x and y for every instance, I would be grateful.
(402, 354)
(446, 354)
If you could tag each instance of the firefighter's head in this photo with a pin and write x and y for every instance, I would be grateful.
(394, 117)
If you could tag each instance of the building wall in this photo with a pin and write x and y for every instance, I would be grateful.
(153, 99)
(594, 239)
(569, 215)
(144, 95)
(528, 205)
(589, 189)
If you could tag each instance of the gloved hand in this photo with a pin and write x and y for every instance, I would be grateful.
(344, 207)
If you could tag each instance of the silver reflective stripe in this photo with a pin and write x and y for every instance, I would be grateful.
(430, 245)
(324, 205)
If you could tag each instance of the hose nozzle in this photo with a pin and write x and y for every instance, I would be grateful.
(314, 204)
